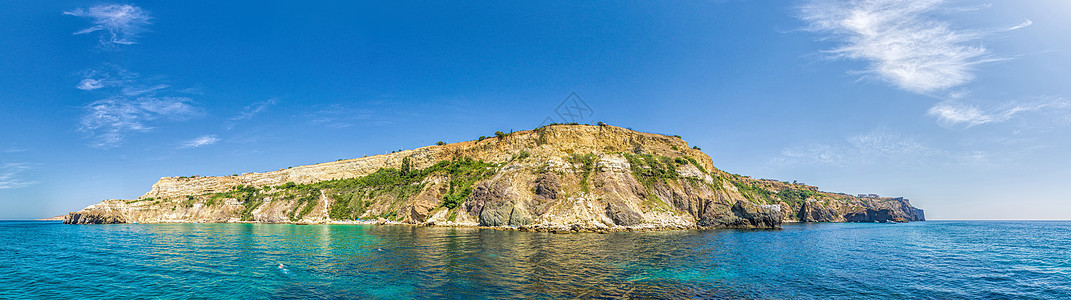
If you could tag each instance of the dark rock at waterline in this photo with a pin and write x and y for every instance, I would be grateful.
(899, 210)
(92, 217)
(491, 202)
(744, 214)
(622, 214)
(759, 216)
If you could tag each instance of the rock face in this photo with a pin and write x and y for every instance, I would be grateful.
(898, 210)
(812, 211)
(94, 217)
(554, 178)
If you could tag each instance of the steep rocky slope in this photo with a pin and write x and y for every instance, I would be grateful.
(554, 178)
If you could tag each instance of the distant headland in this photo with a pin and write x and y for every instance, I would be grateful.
(559, 177)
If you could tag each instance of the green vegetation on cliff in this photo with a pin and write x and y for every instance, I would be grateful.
(753, 193)
(696, 164)
(764, 195)
(463, 174)
(650, 169)
(353, 196)
(587, 164)
(796, 196)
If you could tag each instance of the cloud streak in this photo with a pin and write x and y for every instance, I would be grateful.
(249, 112)
(90, 84)
(339, 116)
(9, 175)
(204, 140)
(140, 90)
(106, 76)
(958, 114)
(118, 24)
(253, 110)
(15, 149)
(1022, 25)
(900, 41)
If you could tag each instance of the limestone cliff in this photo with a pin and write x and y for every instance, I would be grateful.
(554, 178)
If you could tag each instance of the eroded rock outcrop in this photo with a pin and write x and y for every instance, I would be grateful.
(895, 210)
(555, 178)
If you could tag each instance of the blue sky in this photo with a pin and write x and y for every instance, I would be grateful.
(963, 107)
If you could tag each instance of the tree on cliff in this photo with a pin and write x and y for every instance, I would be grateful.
(407, 165)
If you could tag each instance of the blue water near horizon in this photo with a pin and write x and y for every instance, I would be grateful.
(920, 260)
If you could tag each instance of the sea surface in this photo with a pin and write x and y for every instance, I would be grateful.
(934, 259)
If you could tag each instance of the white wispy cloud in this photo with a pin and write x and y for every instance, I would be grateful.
(341, 116)
(901, 41)
(811, 153)
(953, 113)
(204, 140)
(108, 121)
(885, 142)
(15, 149)
(105, 76)
(879, 146)
(119, 24)
(1022, 25)
(141, 90)
(249, 112)
(89, 84)
(253, 110)
(174, 108)
(10, 175)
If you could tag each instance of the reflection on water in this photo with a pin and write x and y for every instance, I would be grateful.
(932, 259)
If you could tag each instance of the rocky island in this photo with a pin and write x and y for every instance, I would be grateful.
(561, 178)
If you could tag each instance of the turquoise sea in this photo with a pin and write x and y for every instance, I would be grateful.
(934, 259)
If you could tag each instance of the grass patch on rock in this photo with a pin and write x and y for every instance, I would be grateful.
(352, 197)
(586, 164)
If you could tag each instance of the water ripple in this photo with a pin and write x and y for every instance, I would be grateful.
(947, 260)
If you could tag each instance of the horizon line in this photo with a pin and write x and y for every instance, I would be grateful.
(42, 219)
